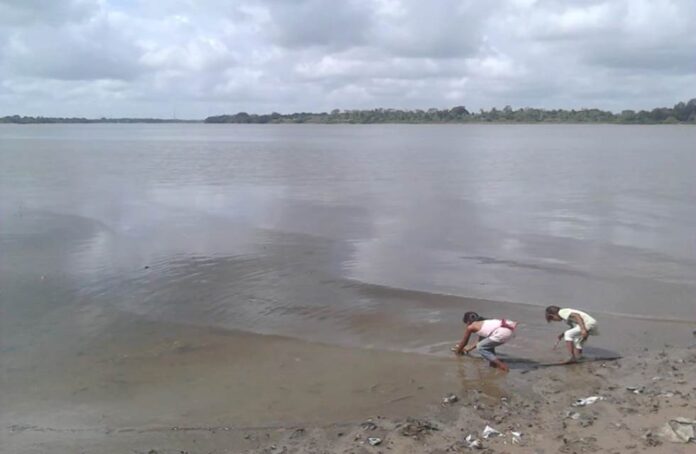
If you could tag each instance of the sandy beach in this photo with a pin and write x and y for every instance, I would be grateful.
(188, 389)
(278, 289)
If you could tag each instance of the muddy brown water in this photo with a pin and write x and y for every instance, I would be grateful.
(146, 241)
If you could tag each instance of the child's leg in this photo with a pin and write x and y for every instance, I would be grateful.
(580, 342)
(577, 344)
(573, 338)
(486, 349)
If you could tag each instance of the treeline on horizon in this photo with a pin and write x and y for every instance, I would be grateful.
(680, 113)
(17, 119)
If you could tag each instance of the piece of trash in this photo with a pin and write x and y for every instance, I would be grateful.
(587, 401)
(374, 441)
(516, 438)
(449, 399)
(473, 443)
(572, 415)
(297, 433)
(651, 439)
(679, 430)
(488, 432)
(368, 425)
(635, 389)
(417, 428)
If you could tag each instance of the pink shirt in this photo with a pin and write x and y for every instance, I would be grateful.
(494, 329)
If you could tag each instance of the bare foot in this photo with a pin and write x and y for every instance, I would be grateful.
(500, 365)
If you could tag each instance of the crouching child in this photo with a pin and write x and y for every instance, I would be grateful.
(582, 325)
(492, 333)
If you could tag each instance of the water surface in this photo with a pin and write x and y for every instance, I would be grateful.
(344, 234)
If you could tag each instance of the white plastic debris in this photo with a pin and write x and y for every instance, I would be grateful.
(488, 432)
(635, 389)
(368, 425)
(449, 399)
(572, 415)
(679, 430)
(516, 437)
(587, 401)
(473, 443)
(374, 441)
(667, 394)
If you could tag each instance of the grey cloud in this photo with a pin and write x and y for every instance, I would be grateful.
(96, 50)
(623, 35)
(27, 12)
(310, 23)
(212, 56)
(628, 57)
(443, 29)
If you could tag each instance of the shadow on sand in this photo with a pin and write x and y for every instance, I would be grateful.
(591, 354)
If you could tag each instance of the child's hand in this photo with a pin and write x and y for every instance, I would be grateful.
(560, 336)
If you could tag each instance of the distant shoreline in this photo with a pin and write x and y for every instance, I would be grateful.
(23, 120)
(680, 113)
(351, 123)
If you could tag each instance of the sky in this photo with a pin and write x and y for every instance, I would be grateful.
(195, 58)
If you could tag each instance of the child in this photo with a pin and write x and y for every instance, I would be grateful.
(581, 326)
(491, 333)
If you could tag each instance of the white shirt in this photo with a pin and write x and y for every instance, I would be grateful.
(565, 315)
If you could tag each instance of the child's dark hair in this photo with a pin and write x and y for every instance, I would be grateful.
(471, 317)
(551, 310)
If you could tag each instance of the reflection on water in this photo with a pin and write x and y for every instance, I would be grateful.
(287, 229)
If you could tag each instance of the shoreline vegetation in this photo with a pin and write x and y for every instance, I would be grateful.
(680, 113)
(27, 120)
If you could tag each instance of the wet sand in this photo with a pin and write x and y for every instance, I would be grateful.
(236, 283)
(177, 388)
(188, 377)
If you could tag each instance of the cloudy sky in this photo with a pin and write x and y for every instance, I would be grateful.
(194, 58)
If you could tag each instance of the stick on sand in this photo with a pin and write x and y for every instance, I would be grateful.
(556, 344)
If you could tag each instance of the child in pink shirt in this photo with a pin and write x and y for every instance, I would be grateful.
(491, 332)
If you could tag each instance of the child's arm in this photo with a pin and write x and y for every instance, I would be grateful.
(578, 319)
(462, 348)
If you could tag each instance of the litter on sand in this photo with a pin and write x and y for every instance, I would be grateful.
(417, 428)
(449, 399)
(679, 430)
(587, 401)
(374, 441)
(488, 432)
(473, 443)
(516, 437)
(572, 415)
(368, 425)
